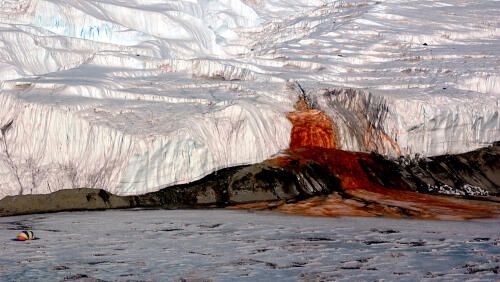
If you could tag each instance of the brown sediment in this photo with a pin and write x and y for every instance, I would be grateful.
(360, 193)
(370, 204)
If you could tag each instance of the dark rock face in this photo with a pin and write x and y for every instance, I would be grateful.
(236, 185)
(245, 184)
(476, 173)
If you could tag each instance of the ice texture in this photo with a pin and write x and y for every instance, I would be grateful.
(224, 245)
(134, 96)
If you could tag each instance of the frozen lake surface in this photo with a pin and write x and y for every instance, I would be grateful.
(224, 245)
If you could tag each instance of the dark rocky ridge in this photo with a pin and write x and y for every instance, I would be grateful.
(230, 186)
(453, 173)
(292, 182)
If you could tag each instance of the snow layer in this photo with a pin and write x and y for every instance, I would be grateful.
(133, 96)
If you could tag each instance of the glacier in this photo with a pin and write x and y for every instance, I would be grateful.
(134, 96)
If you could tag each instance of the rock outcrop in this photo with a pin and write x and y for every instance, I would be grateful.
(237, 185)
(443, 187)
(333, 178)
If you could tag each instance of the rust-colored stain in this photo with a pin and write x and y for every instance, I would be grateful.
(371, 145)
(311, 128)
(372, 204)
(359, 196)
(313, 140)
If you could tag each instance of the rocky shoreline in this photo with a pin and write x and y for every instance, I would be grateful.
(298, 175)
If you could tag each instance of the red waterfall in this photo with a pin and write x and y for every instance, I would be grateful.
(313, 140)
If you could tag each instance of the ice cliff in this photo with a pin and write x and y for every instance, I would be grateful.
(133, 96)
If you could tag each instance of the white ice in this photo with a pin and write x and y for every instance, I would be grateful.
(133, 96)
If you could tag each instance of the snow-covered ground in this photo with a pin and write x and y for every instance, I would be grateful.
(223, 245)
(132, 96)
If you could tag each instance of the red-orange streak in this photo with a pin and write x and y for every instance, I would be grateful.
(384, 201)
(311, 128)
(313, 140)
(344, 165)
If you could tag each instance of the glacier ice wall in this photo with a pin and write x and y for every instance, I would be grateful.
(117, 146)
(133, 96)
(437, 125)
